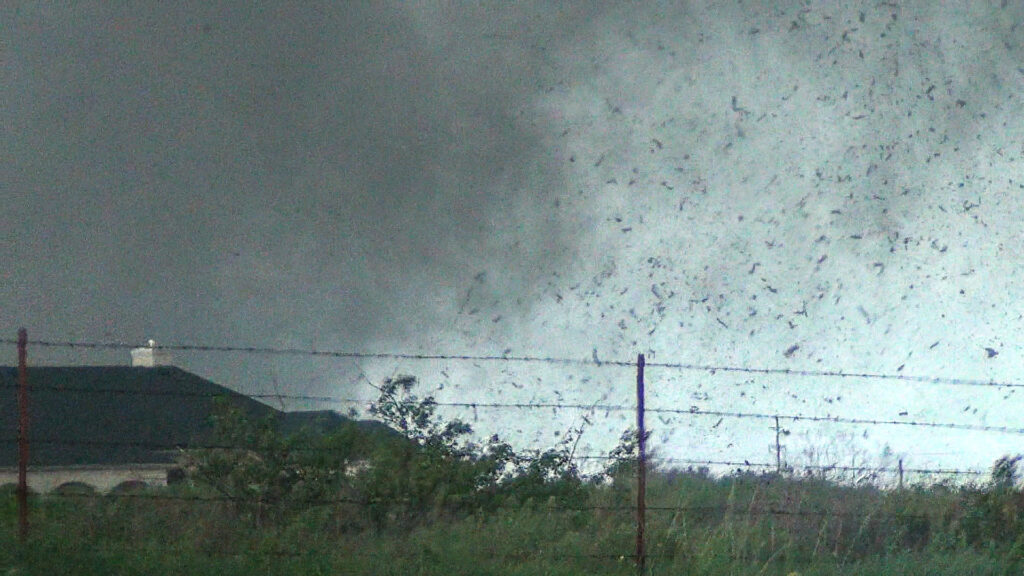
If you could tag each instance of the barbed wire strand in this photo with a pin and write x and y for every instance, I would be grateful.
(184, 447)
(263, 552)
(187, 446)
(703, 508)
(577, 406)
(324, 353)
(711, 368)
(725, 509)
(185, 393)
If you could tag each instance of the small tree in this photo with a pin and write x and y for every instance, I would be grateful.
(1004, 472)
(269, 475)
(625, 456)
(247, 462)
(996, 512)
(437, 468)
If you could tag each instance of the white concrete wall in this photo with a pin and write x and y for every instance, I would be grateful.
(102, 478)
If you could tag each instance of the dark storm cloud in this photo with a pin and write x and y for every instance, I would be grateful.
(799, 184)
(303, 170)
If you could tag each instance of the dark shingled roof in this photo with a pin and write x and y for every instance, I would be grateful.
(328, 421)
(112, 414)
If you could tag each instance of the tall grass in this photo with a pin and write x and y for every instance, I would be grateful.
(697, 524)
(431, 502)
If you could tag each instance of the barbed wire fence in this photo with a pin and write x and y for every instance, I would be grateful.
(668, 413)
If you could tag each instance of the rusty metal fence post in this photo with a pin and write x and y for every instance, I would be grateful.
(641, 484)
(22, 435)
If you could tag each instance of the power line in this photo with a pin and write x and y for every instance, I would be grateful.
(841, 420)
(823, 467)
(698, 412)
(712, 368)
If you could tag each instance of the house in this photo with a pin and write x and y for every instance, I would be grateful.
(109, 425)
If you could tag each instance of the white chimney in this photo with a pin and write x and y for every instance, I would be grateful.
(150, 355)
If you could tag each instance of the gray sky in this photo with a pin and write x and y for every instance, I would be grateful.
(788, 184)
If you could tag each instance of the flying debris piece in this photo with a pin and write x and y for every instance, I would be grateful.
(904, 413)
(991, 352)
(789, 351)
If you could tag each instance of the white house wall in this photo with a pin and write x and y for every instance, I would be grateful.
(102, 478)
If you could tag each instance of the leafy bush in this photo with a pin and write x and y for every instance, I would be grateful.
(995, 513)
(430, 468)
(427, 479)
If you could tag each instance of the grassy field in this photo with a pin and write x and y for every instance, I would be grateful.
(427, 500)
(697, 524)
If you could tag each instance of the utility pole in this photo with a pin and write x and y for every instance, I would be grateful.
(778, 446)
(22, 435)
(641, 484)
